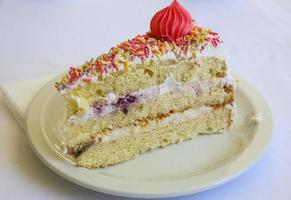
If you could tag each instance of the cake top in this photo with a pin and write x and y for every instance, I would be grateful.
(171, 40)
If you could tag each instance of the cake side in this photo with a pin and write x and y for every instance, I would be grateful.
(150, 91)
(89, 128)
(202, 65)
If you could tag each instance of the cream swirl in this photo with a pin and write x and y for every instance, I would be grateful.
(171, 22)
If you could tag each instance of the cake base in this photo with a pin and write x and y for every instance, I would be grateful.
(148, 138)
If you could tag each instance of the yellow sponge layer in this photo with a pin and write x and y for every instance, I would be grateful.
(147, 138)
(145, 75)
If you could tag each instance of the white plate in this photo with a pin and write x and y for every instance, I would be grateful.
(193, 166)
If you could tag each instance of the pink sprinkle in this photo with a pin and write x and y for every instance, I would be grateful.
(213, 33)
(186, 48)
(215, 42)
(146, 51)
(101, 68)
(87, 80)
(202, 48)
(181, 52)
(115, 66)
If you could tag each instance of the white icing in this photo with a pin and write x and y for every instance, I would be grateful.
(170, 55)
(185, 116)
(111, 97)
(172, 119)
(80, 82)
(81, 119)
(169, 85)
(211, 51)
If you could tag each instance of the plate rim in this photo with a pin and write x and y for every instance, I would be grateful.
(259, 103)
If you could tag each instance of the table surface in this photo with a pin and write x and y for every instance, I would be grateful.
(44, 37)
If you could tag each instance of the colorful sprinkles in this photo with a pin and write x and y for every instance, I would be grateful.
(142, 48)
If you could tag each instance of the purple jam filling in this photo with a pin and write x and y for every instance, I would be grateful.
(98, 109)
(122, 104)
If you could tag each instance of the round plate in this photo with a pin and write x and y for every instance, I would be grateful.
(192, 166)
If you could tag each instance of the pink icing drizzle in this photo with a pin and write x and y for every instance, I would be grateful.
(171, 22)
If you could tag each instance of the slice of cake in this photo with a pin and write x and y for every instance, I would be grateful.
(150, 91)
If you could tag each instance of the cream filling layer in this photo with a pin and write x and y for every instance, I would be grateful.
(148, 94)
(170, 120)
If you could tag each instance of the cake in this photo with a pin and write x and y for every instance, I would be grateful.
(156, 89)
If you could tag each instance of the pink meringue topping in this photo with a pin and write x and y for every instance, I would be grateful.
(171, 22)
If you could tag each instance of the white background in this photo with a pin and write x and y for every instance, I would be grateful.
(46, 36)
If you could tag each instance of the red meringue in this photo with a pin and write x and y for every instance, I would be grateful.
(171, 22)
